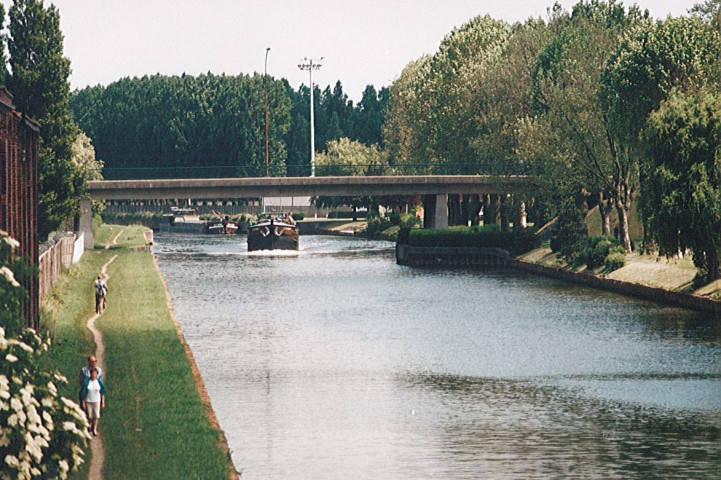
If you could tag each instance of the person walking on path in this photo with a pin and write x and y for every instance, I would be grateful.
(85, 373)
(101, 291)
(93, 394)
(97, 458)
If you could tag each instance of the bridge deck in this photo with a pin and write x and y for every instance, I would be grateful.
(210, 188)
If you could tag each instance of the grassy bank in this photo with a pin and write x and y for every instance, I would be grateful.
(667, 274)
(155, 425)
(67, 309)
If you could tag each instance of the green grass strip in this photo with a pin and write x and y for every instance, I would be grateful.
(155, 425)
(123, 235)
(66, 310)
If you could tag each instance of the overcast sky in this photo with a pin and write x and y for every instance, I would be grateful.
(362, 41)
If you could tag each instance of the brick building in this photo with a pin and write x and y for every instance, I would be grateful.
(19, 140)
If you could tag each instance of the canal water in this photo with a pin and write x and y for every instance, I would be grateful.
(335, 363)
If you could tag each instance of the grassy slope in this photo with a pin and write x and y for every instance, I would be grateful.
(157, 414)
(669, 274)
(635, 227)
(155, 425)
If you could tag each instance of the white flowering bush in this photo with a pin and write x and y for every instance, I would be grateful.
(42, 435)
(12, 294)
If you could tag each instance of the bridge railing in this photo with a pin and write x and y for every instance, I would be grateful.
(245, 171)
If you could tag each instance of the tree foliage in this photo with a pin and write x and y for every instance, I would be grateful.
(563, 99)
(656, 58)
(345, 157)
(402, 139)
(435, 102)
(709, 11)
(185, 126)
(3, 56)
(214, 125)
(84, 158)
(566, 86)
(39, 83)
(683, 141)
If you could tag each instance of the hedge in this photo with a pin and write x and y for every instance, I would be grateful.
(347, 214)
(516, 241)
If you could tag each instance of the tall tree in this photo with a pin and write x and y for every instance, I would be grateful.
(503, 95)
(566, 95)
(369, 114)
(3, 56)
(710, 11)
(654, 60)
(400, 129)
(453, 79)
(39, 83)
(683, 142)
(186, 126)
(297, 138)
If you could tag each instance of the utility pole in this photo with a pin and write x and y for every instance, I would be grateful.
(310, 65)
(265, 87)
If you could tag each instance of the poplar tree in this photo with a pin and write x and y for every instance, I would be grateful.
(39, 84)
(3, 57)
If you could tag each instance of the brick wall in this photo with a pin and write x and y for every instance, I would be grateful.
(19, 139)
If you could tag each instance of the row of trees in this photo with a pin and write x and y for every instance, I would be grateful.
(601, 100)
(214, 125)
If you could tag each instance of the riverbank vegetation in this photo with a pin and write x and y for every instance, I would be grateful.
(571, 101)
(155, 424)
(515, 241)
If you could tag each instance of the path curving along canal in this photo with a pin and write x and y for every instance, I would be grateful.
(334, 362)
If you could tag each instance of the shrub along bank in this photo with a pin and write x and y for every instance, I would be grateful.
(155, 425)
(515, 241)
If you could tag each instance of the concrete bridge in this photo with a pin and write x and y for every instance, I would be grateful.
(434, 190)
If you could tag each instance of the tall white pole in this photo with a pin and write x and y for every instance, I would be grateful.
(265, 88)
(312, 124)
(310, 65)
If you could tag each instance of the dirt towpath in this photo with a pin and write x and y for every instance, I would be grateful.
(96, 444)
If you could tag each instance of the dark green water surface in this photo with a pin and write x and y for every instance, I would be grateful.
(336, 363)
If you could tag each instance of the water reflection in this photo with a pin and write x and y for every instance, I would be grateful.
(523, 429)
(334, 362)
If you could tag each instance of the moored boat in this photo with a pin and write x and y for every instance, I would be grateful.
(273, 232)
(222, 226)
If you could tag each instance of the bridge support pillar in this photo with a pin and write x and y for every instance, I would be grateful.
(435, 208)
(86, 223)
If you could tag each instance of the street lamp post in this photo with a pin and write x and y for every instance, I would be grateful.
(265, 87)
(310, 65)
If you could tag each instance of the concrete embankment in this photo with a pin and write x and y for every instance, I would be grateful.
(451, 256)
(637, 290)
(643, 287)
